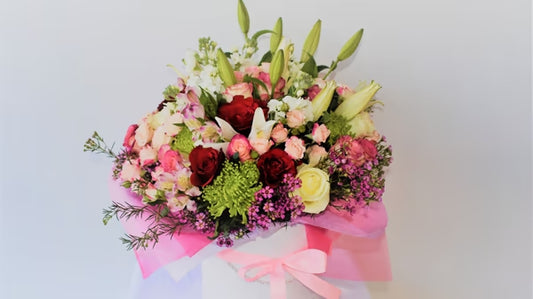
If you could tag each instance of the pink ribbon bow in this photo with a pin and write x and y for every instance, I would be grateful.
(303, 265)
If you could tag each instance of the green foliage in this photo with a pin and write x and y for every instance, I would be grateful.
(233, 190)
(171, 92)
(210, 104)
(96, 144)
(337, 124)
(182, 142)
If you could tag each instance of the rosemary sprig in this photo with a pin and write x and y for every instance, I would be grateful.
(96, 144)
(160, 223)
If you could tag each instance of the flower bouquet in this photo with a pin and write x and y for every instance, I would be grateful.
(242, 146)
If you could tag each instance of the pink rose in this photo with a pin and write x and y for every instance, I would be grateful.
(316, 153)
(143, 134)
(253, 71)
(130, 171)
(358, 151)
(239, 76)
(295, 147)
(295, 118)
(313, 91)
(147, 155)
(239, 144)
(168, 158)
(320, 133)
(279, 133)
(129, 139)
(239, 89)
(265, 94)
(261, 145)
(369, 149)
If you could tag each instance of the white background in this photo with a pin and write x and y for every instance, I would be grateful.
(457, 86)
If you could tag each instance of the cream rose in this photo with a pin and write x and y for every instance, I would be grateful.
(315, 189)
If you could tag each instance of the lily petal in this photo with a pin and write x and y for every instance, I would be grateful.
(260, 127)
(227, 130)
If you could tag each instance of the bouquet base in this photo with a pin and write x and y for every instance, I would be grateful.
(215, 278)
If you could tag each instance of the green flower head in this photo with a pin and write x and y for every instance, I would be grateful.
(233, 190)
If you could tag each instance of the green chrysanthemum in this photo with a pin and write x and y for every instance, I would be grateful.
(233, 190)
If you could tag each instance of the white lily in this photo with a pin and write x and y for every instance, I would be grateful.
(260, 127)
(227, 130)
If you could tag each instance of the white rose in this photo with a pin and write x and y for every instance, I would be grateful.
(315, 189)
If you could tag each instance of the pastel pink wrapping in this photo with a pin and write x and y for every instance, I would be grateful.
(356, 244)
(167, 249)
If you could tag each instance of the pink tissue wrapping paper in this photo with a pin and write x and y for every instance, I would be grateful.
(356, 245)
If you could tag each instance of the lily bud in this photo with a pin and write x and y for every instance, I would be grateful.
(276, 67)
(244, 19)
(353, 104)
(311, 42)
(350, 46)
(276, 35)
(225, 70)
(322, 100)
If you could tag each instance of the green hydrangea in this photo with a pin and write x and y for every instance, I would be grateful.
(233, 190)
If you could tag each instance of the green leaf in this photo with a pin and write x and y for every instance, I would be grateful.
(106, 218)
(210, 104)
(260, 32)
(164, 212)
(310, 67)
(256, 82)
(322, 67)
(266, 58)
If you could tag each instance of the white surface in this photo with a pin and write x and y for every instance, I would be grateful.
(456, 77)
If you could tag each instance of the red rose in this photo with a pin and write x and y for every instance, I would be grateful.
(273, 165)
(240, 113)
(205, 165)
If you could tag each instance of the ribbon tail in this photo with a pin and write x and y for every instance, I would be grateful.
(277, 284)
(316, 284)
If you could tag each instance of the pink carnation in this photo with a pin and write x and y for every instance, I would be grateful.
(143, 134)
(320, 133)
(129, 139)
(169, 158)
(147, 155)
(295, 147)
(130, 171)
(240, 144)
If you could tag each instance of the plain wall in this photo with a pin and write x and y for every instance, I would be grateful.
(456, 77)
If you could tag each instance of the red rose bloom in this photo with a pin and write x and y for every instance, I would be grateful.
(205, 165)
(273, 165)
(240, 113)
